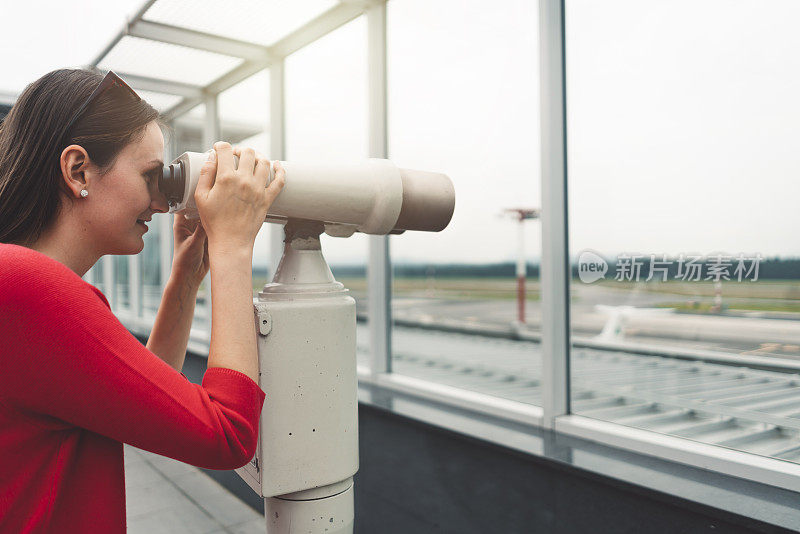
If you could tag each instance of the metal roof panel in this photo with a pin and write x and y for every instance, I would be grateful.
(262, 22)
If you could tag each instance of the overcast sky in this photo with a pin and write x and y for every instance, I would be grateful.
(682, 115)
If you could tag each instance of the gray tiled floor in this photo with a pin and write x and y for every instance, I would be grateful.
(165, 496)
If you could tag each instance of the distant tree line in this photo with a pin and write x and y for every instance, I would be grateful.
(776, 268)
(442, 270)
(769, 269)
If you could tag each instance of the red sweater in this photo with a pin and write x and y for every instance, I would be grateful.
(75, 385)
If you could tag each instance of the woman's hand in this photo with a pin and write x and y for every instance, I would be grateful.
(233, 202)
(190, 260)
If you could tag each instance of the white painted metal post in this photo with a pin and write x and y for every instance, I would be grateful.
(277, 148)
(379, 268)
(521, 271)
(134, 284)
(555, 269)
(211, 134)
(108, 280)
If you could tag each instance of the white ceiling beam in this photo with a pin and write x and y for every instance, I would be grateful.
(166, 33)
(142, 10)
(238, 74)
(318, 27)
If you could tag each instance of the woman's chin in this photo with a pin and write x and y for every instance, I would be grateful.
(138, 244)
(127, 243)
(133, 245)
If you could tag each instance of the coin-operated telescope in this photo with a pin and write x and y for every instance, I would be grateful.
(373, 197)
(307, 449)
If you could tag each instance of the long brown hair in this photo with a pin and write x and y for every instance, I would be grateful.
(32, 139)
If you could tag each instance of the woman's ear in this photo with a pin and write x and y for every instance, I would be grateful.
(74, 162)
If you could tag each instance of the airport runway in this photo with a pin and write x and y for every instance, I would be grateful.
(752, 333)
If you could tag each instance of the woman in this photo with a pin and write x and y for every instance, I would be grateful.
(80, 157)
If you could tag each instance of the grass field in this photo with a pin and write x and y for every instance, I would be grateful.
(762, 289)
(466, 288)
(697, 297)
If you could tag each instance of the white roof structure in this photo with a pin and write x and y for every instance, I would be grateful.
(203, 49)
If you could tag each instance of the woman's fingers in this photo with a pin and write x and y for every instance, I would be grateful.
(262, 172)
(247, 160)
(199, 232)
(224, 152)
(208, 174)
(275, 187)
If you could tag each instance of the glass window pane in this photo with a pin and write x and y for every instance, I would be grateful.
(682, 183)
(466, 105)
(326, 97)
(246, 106)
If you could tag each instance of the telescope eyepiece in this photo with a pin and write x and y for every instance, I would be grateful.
(172, 183)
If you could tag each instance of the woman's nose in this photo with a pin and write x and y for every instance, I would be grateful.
(158, 202)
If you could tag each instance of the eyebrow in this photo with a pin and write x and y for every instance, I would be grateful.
(154, 165)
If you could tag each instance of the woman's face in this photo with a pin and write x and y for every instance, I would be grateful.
(123, 201)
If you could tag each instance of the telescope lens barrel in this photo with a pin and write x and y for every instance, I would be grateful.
(429, 200)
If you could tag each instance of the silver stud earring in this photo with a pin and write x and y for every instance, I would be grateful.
(84, 193)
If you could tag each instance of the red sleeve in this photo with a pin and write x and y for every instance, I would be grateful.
(64, 354)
